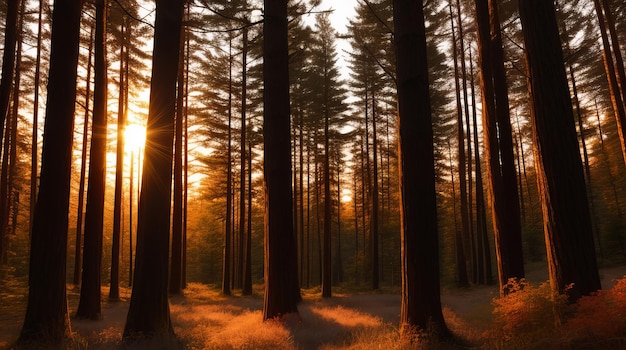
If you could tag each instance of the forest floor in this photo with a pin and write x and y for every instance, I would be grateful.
(205, 319)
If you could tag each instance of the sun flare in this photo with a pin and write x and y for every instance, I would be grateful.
(135, 137)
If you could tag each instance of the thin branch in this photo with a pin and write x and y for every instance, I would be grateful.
(373, 11)
(197, 29)
(141, 20)
(380, 64)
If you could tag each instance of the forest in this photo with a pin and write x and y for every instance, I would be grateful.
(280, 174)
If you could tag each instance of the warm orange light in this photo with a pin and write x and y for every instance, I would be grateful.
(346, 195)
(135, 137)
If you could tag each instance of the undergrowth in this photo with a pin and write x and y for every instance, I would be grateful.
(533, 317)
(529, 317)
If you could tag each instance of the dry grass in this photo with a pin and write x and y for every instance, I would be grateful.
(205, 319)
(532, 318)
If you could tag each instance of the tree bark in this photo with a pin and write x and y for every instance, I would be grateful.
(83, 171)
(374, 219)
(176, 258)
(149, 313)
(567, 224)
(228, 233)
(483, 247)
(617, 99)
(89, 306)
(461, 236)
(46, 318)
(114, 290)
(282, 292)
(242, 173)
(616, 48)
(421, 303)
(35, 134)
(504, 198)
(8, 59)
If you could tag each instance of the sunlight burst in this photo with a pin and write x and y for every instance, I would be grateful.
(135, 136)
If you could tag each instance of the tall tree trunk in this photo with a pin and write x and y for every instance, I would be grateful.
(498, 144)
(132, 166)
(327, 249)
(567, 225)
(130, 219)
(421, 303)
(468, 231)
(583, 145)
(228, 233)
(355, 194)
(114, 290)
(15, 192)
(8, 59)
(186, 155)
(89, 305)
(609, 65)
(46, 320)
(176, 257)
(483, 247)
(524, 172)
(243, 154)
(35, 134)
(308, 214)
(461, 236)
(149, 313)
(337, 261)
(374, 219)
(83, 170)
(304, 243)
(10, 194)
(282, 292)
(5, 203)
(247, 273)
(616, 48)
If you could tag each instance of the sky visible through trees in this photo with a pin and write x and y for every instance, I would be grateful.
(308, 149)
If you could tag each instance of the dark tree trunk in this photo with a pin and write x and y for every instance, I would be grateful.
(617, 99)
(186, 156)
(374, 222)
(46, 319)
(498, 143)
(466, 157)
(89, 305)
(247, 273)
(4, 190)
(338, 262)
(114, 291)
(583, 145)
(242, 173)
(327, 248)
(83, 170)
(176, 260)
(567, 224)
(35, 135)
(8, 59)
(6, 85)
(483, 247)
(421, 303)
(461, 236)
(228, 233)
(282, 292)
(149, 312)
(15, 190)
(616, 48)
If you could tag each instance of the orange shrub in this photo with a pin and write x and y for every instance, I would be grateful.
(601, 315)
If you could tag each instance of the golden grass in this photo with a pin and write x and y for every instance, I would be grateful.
(203, 318)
